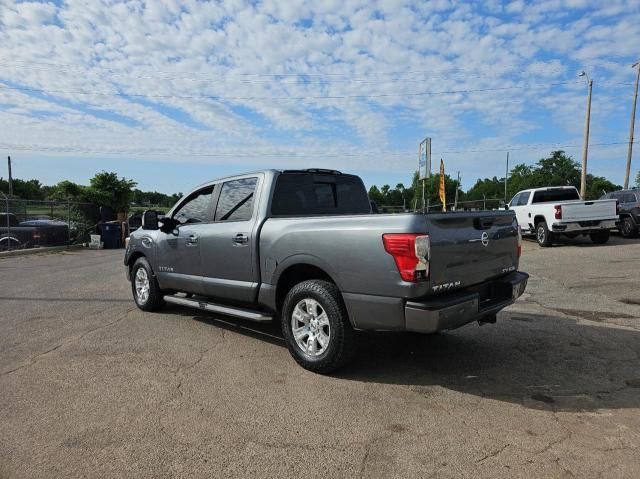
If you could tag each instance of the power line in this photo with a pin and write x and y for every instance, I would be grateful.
(353, 76)
(537, 146)
(309, 97)
(293, 155)
(473, 70)
(298, 78)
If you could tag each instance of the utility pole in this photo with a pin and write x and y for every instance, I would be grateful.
(631, 127)
(10, 177)
(455, 201)
(585, 146)
(506, 175)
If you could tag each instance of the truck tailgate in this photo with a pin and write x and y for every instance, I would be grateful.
(588, 210)
(468, 248)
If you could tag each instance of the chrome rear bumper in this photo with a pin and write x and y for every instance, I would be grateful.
(478, 303)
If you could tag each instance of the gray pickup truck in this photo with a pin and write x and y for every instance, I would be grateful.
(304, 246)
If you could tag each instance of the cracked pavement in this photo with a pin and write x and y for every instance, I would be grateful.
(92, 387)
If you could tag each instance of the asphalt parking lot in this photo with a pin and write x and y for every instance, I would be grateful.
(92, 387)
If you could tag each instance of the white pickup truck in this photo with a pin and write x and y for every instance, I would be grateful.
(550, 212)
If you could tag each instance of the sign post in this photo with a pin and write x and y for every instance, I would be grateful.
(424, 165)
(10, 177)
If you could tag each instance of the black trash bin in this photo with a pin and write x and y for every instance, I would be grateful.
(110, 235)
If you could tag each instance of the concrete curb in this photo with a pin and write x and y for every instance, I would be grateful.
(48, 249)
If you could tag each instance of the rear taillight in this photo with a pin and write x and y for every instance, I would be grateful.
(519, 241)
(558, 211)
(411, 253)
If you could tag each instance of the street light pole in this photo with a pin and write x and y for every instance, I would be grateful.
(585, 146)
(10, 177)
(455, 201)
(506, 176)
(631, 127)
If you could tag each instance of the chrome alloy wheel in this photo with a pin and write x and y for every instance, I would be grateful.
(541, 235)
(310, 327)
(142, 285)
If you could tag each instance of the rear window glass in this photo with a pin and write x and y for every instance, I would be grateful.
(12, 220)
(317, 194)
(564, 194)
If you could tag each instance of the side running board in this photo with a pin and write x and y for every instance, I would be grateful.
(243, 313)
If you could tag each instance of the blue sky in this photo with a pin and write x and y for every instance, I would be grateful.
(172, 93)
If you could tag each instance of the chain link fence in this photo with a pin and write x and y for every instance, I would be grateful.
(471, 205)
(34, 223)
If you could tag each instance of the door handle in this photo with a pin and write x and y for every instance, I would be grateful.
(192, 240)
(241, 238)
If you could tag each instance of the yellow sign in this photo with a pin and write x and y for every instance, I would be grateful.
(443, 195)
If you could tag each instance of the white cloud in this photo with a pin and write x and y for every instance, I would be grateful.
(210, 69)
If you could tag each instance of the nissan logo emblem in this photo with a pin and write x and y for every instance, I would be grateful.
(485, 239)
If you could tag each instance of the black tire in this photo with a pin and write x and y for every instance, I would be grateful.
(10, 243)
(628, 228)
(341, 338)
(153, 301)
(543, 235)
(600, 237)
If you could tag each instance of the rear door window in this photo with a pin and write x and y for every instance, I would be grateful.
(305, 194)
(236, 200)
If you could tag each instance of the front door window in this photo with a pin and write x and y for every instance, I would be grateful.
(196, 209)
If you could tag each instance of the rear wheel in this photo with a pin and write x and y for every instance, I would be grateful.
(600, 237)
(146, 292)
(543, 235)
(8, 243)
(316, 327)
(628, 228)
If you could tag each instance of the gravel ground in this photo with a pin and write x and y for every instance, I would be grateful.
(92, 387)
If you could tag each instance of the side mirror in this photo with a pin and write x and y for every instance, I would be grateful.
(150, 220)
(506, 207)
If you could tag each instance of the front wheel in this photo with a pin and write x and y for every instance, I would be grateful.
(144, 285)
(543, 235)
(316, 327)
(600, 237)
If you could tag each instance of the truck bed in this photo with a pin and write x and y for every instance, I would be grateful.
(351, 249)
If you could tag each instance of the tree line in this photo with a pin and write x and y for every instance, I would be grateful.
(559, 169)
(119, 193)
(104, 189)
